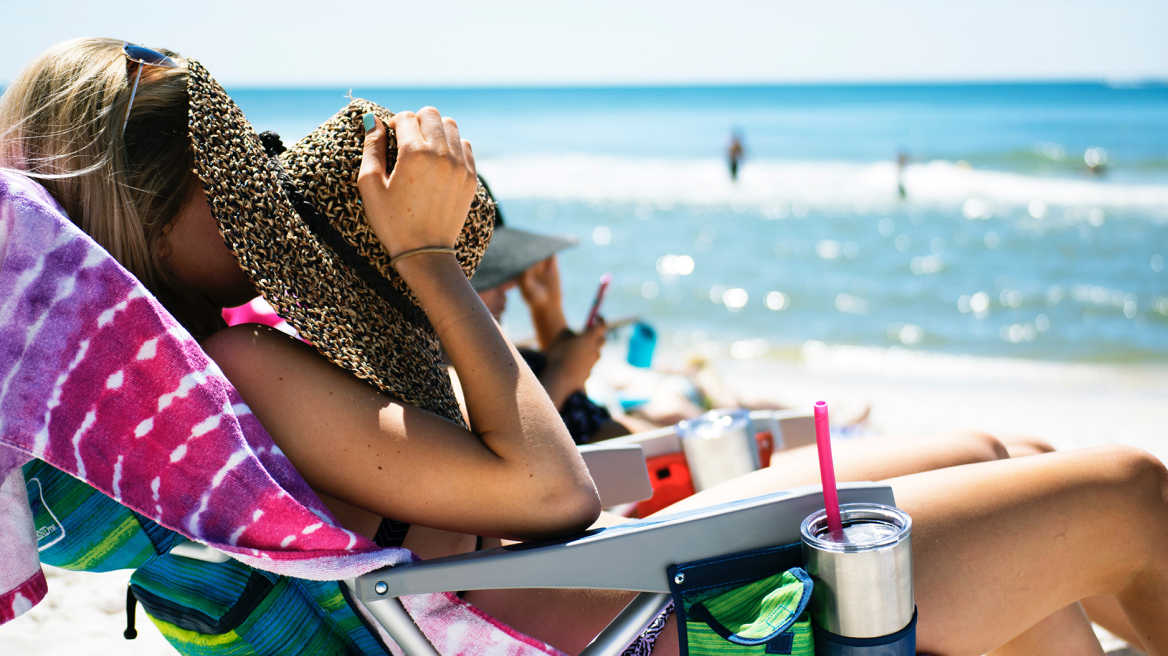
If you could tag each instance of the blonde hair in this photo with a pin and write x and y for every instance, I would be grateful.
(61, 122)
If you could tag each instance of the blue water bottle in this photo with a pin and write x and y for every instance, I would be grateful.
(641, 345)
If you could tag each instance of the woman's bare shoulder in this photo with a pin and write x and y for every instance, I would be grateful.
(263, 362)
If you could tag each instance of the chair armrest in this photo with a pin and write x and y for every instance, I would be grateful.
(653, 443)
(618, 471)
(631, 556)
(790, 428)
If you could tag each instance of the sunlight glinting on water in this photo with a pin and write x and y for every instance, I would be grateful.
(1034, 223)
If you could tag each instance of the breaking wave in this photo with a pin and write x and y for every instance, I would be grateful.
(600, 179)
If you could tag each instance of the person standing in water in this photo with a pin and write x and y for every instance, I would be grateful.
(734, 154)
(901, 163)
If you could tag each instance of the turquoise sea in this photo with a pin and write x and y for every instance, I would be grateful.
(1006, 243)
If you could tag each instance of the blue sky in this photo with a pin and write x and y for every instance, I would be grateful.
(516, 42)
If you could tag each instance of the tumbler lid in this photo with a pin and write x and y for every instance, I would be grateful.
(867, 527)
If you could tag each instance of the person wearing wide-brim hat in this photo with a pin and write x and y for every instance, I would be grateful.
(527, 260)
(362, 236)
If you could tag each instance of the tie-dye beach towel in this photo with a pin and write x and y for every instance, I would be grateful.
(99, 381)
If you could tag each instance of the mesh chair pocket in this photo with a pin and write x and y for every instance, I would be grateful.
(747, 603)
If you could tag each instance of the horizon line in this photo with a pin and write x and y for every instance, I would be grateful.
(1110, 82)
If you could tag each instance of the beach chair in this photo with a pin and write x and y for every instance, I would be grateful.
(633, 556)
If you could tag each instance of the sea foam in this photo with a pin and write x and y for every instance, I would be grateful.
(595, 178)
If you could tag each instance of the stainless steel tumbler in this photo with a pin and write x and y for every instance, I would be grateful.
(863, 578)
(718, 445)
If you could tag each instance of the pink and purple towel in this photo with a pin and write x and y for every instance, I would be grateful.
(98, 380)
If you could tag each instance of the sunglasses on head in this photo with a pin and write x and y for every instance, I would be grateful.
(142, 57)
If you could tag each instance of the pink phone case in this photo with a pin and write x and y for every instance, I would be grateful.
(600, 291)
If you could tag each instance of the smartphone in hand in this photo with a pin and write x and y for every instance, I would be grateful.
(600, 292)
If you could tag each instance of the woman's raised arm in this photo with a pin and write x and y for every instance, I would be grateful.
(516, 474)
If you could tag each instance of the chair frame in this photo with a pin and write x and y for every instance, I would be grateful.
(631, 556)
(790, 429)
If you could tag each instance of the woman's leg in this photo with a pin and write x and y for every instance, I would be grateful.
(1067, 632)
(569, 619)
(868, 459)
(998, 547)
(1107, 613)
(1018, 445)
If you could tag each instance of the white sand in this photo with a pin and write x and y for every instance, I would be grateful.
(84, 615)
(1069, 405)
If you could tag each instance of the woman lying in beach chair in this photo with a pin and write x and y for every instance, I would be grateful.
(133, 443)
(362, 239)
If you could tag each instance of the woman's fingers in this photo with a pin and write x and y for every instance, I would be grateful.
(408, 131)
(453, 142)
(598, 331)
(431, 132)
(433, 129)
(468, 153)
(372, 169)
(424, 201)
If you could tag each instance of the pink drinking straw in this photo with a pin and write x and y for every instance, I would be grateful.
(826, 468)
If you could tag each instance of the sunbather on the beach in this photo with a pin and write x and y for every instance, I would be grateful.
(564, 361)
(1003, 549)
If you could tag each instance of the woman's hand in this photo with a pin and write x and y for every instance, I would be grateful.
(424, 202)
(540, 286)
(570, 361)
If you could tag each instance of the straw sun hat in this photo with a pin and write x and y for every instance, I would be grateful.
(293, 219)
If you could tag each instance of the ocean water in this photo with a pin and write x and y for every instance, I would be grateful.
(1005, 245)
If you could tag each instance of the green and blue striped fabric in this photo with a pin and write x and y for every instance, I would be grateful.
(203, 609)
(81, 529)
(248, 611)
(753, 602)
(770, 613)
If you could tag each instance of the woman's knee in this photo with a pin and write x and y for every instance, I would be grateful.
(981, 446)
(1136, 496)
(1019, 446)
(1139, 472)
